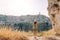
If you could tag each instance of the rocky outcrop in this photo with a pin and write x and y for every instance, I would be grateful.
(54, 13)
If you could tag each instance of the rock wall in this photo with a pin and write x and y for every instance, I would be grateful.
(54, 13)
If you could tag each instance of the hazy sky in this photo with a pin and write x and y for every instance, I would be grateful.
(23, 7)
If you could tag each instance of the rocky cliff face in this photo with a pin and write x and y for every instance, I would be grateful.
(54, 13)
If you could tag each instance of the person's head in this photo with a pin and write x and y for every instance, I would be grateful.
(35, 21)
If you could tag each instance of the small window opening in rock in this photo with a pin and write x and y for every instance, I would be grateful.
(53, 15)
(58, 9)
(55, 5)
(58, 0)
(53, 24)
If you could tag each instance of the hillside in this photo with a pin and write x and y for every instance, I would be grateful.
(25, 22)
(28, 18)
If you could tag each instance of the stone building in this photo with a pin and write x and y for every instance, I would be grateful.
(54, 13)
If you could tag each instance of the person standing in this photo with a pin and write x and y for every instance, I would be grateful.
(35, 28)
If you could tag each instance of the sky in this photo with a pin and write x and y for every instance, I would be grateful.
(23, 7)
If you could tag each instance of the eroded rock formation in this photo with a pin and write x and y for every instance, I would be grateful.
(54, 13)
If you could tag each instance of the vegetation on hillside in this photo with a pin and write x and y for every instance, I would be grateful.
(26, 22)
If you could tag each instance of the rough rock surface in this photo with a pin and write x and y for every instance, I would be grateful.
(54, 13)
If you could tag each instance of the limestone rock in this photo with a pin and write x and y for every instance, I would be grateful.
(54, 13)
